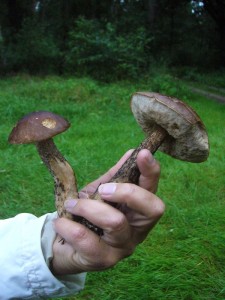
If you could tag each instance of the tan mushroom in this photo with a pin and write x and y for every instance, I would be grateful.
(171, 126)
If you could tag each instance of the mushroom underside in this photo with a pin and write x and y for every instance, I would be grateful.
(187, 138)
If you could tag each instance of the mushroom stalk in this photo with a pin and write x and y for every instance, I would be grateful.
(64, 181)
(64, 178)
(170, 125)
(129, 172)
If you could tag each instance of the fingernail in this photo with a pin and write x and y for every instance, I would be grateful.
(70, 203)
(107, 188)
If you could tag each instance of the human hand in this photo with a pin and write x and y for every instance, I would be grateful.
(123, 229)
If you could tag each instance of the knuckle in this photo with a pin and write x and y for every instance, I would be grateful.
(79, 233)
(118, 222)
(159, 209)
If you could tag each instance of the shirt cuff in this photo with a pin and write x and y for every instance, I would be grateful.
(48, 235)
(26, 246)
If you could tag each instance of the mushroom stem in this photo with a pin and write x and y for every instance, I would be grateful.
(64, 178)
(64, 181)
(129, 172)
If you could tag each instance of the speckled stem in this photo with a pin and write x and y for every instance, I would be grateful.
(65, 185)
(64, 181)
(129, 172)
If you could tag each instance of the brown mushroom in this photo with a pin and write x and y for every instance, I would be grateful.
(171, 126)
(39, 128)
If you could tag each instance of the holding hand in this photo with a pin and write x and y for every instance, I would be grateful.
(123, 229)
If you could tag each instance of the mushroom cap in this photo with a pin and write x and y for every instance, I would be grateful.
(36, 127)
(187, 137)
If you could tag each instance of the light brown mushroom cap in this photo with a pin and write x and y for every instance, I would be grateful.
(37, 126)
(187, 139)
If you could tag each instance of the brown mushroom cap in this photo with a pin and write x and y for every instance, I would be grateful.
(187, 138)
(36, 127)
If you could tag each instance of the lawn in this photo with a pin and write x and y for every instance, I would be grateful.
(184, 256)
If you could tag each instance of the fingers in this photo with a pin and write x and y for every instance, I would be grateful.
(125, 227)
(142, 208)
(74, 233)
(113, 222)
(139, 211)
(148, 204)
(149, 169)
(83, 250)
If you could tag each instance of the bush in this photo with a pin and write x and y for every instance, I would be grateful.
(33, 49)
(97, 49)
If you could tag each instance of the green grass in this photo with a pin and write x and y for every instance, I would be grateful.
(184, 256)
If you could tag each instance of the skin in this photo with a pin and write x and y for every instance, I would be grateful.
(124, 229)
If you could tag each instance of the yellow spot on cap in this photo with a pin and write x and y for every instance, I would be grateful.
(49, 123)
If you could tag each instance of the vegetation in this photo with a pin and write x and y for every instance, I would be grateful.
(184, 256)
(111, 39)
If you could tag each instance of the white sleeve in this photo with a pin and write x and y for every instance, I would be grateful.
(26, 248)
